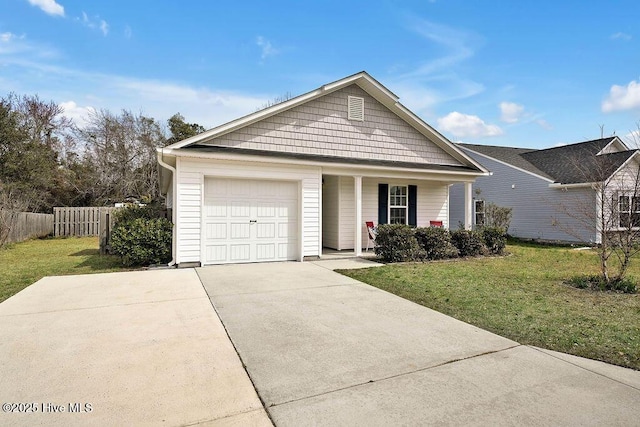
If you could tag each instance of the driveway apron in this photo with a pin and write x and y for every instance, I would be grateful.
(120, 349)
(324, 349)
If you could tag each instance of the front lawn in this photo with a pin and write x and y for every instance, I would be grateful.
(522, 297)
(22, 264)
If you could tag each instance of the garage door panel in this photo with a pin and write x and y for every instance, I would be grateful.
(215, 231)
(250, 221)
(215, 208)
(265, 210)
(286, 250)
(240, 209)
(265, 230)
(265, 251)
(240, 231)
(240, 253)
(216, 253)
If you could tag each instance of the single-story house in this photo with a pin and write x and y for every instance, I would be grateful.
(306, 174)
(557, 193)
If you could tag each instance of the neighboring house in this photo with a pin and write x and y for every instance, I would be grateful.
(286, 181)
(554, 191)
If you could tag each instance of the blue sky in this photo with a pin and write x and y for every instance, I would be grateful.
(527, 74)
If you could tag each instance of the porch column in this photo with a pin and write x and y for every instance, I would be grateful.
(358, 198)
(468, 205)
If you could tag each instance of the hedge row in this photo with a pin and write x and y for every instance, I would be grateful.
(401, 243)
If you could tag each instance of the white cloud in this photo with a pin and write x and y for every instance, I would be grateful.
(49, 7)
(94, 24)
(104, 27)
(6, 37)
(620, 36)
(511, 112)
(127, 32)
(438, 78)
(267, 48)
(464, 125)
(544, 124)
(78, 114)
(622, 98)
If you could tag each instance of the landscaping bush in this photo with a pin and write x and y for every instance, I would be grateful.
(436, 243)
(468, 242)
(397, 243)
(495, 239)
(142, 241)
(596, 282)
(141, 235)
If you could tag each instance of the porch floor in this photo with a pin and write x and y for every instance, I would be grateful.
(328, 253)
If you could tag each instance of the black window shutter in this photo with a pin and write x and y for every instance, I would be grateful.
(413, 205)
(383, 203)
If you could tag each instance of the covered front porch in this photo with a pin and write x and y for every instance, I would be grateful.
(350, 201)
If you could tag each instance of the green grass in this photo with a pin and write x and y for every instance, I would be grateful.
(523, 297)
(22, 264)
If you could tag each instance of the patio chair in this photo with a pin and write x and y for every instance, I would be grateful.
(372, 232)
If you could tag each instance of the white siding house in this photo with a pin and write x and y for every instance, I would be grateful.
(287, 181)
(553, 193)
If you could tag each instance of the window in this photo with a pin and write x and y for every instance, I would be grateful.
(398, 202)
(479, 216)
(629, 211)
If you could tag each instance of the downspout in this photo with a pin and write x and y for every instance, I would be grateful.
(173, 205)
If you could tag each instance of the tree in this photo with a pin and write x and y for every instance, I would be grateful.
(120, 155)
(614, 179)
(182, 130)
(32, 134)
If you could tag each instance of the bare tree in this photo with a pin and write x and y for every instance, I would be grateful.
(11, 204)
(614, 179)
(120, 153)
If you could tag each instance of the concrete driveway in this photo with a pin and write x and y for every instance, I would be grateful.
(136, 348)
(323, 349)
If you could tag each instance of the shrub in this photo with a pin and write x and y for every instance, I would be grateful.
(142, 241)
(131, 212)
(498, 216)
(495, 238)
(436, 243)
(596, 282)
(397, 243)
(468, 242)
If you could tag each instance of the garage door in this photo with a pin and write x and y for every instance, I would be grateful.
(250, 221)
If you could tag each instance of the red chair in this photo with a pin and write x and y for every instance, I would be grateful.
(371, 230)
(435, 224)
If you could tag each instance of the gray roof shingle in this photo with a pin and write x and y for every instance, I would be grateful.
(567, 164)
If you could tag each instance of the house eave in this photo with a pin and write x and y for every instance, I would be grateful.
(328, 164)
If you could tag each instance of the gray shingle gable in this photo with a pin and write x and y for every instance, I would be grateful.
(320, 127)
(567, 164)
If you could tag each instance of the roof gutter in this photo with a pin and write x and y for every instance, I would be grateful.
(576, 185)
(174, 197)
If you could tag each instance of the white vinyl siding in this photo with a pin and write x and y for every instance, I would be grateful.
(433, 197)
(322, 127)
(191, 175)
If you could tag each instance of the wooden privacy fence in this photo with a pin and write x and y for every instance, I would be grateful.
(29, 225)
(71, 221)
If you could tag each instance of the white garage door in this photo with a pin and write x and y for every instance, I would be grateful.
(250, 221)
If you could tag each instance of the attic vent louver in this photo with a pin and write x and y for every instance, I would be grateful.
(356, 108)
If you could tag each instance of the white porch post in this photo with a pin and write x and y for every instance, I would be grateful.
(358, 199)
(468, 205)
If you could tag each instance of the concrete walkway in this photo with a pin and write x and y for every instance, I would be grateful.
(139, 348)
(323, 349)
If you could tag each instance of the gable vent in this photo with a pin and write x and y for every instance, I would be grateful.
(356, 108)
